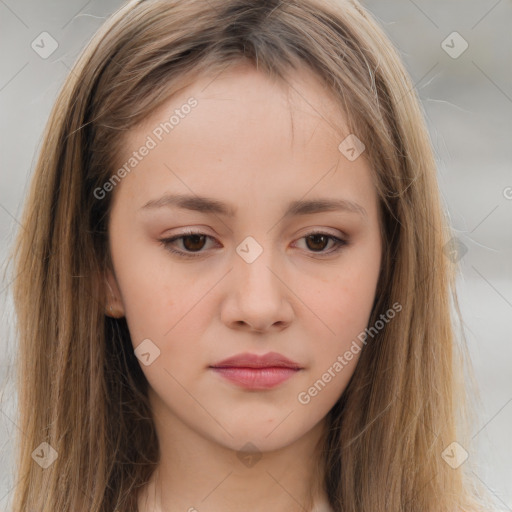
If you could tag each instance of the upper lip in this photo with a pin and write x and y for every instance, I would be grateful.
(248, 360)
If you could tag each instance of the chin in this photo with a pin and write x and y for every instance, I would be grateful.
(266, 436)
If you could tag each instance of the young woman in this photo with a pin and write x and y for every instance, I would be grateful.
(233, 291)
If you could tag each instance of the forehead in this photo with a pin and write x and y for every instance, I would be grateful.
(248, 134)
(299, 95)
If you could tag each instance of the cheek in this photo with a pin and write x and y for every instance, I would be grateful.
(342, 299)
(343, 303)
(152, 291)
(335, 353)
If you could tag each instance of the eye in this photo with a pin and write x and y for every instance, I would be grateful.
(317, 241)
(193, 242)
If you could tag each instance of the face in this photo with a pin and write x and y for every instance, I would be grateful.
(258, 267)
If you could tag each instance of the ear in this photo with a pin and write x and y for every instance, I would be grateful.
(113, 304)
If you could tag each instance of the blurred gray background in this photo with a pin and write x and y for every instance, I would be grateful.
(467, 98)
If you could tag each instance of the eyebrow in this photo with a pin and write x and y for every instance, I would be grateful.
(210, 205)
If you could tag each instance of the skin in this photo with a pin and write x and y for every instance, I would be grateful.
(257, 145)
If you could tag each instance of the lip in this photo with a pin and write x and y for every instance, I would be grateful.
(253, 371)
(248, 360)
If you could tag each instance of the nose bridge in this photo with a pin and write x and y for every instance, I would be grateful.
(255, 261)
(258, 294)
(259, 289)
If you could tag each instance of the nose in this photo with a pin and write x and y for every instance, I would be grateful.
(258, 298)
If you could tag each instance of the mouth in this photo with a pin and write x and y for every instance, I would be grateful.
(257, 372)
(256, 378)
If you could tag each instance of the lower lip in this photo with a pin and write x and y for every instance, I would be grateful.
(256, 378)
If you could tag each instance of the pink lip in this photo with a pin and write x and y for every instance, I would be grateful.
(252, 371)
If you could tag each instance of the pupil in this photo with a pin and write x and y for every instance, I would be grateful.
(195, 239)
(316, 238)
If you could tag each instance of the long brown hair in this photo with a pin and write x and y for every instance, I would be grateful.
(80, 387)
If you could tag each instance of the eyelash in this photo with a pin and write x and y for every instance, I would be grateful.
(166, 242)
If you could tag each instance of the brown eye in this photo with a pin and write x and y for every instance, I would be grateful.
(318, 242)
(193, 242)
